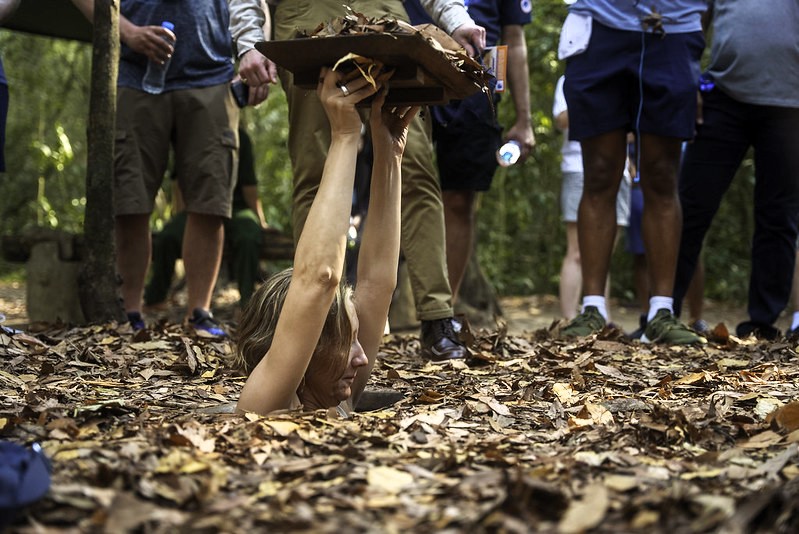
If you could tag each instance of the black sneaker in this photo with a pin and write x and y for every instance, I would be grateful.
(440, 342)
(758, 330)
(203, 322)
(136, 321)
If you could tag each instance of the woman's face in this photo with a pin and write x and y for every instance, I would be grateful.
(331, 390)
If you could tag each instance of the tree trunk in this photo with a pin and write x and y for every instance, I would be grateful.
(97, 284)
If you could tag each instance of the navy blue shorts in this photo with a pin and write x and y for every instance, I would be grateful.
(602, 83)
(467, 137)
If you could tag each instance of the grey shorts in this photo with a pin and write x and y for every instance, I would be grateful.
(572, 191)
(201, 125)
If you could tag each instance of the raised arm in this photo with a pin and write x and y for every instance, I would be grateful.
(379, 253)
(318, 259)
(519, 86)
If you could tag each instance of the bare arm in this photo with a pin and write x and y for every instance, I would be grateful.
(148, 40)
(318, 260)
(519, 86)
(379, 254)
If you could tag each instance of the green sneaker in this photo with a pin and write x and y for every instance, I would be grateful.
(665, 328)
(585, 324)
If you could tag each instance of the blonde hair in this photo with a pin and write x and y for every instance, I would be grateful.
(259, 321)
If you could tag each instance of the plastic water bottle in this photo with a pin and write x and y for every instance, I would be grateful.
(509, 153)
(155, 76)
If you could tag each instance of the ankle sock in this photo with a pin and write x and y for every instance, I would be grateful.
(597, 301)
(795, 320)
(658, 303)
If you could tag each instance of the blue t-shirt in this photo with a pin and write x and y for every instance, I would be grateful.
(203, 51)
(490, 14)
(679, 16)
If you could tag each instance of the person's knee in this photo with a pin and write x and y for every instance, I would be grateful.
(459, 203)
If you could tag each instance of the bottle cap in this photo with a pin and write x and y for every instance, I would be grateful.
(168, 25)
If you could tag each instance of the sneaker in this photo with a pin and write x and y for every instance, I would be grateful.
(665, 328)
(585, 324)
(758, 330)
(203, 321)
(440, 342)
(136, 321)
(638, 332)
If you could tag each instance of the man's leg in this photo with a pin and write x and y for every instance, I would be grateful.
(776, 210)
(603, 161)
(708, 167)
(202, 254)
(604, 157)
(459, 219)
(660, 157)
(132, 233)
(662, 218)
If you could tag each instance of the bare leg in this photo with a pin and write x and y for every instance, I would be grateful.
(603, 161)
(662, 217)
(571, 277)
(202, 255)
(459, 221)
(132, 233)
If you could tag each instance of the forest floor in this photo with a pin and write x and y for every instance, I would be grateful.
(534, 434)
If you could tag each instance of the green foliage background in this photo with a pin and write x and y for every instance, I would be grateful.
(521, 238)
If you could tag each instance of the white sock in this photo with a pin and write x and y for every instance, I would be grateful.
(659, 303)
(795, 321)
(597, 301)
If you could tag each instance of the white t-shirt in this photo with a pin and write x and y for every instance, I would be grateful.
(572, 155)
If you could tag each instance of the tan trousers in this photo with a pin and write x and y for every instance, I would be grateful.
(309, 137)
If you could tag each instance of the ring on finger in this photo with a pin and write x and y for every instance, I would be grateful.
(344, 90)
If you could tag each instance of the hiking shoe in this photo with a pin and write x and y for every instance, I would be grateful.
(440, 342)
(203, 322)
(665, 328)
(136, 321)
(638, 332)
(588, 322)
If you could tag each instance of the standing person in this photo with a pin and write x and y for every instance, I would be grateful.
(631, 67)
(243, 232)
(571, 279)
(466, 132)
(306, 340)
(309, 136)
(197, 114)
(749, 99)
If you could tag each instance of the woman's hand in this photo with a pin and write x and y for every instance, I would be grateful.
(390, 124)
(339, 99)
